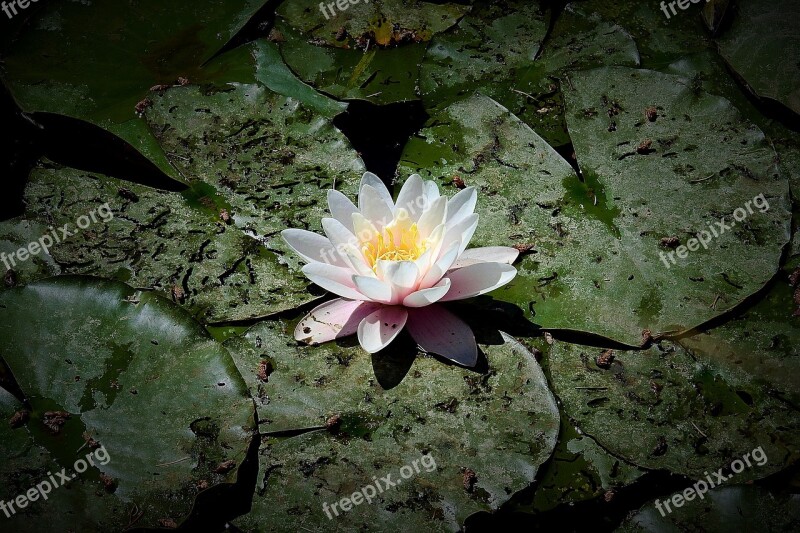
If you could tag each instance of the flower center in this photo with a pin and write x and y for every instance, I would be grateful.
(388, 246)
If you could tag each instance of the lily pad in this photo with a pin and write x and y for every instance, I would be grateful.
(163, 241)
(377, 22)
(99, 360)
(666, 408)
(378, 75)
(497, 49)
(763, 47)
(735, 508)
(267, 159)
(598, 241)
(94, 61)
(497, 426)
(17, 234)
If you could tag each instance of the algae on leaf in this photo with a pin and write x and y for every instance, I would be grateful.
(334, 419)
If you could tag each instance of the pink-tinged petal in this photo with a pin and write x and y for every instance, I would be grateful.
(439, 268)
(412, 197)
(374, 208)
(333, 279)
(461, 205)
(478, 279)
(439, 331)
(373, 288)
(434, 215)
(401, 276)
(341, 208)
(333, 320)
(381, 327)
(312, 247)
(431, 192)
(427, 296)
(489, 254)
(346, 245)
(460, 233)
(375, 182)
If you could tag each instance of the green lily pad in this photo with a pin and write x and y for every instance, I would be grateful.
(501, 424)
(596, 266)
(734, 508)
(666, 408)
(95, 61)
(376, 22)
(378, 75)
(266, 158)
(17, 234)
(163, 241)
(763, 47)
(99, 360)
(500, 54)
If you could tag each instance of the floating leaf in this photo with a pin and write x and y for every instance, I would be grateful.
(99, 76)
(496, 50)
(666, 408)
(377, 22)
(500, 423)
(139, 377)
(763, 47)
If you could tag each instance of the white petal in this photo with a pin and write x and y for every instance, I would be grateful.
(312, 247)
(337, 280)
(440, 267)
(431, 192)
(439, 331)
(428, 296)
(401, 276)
(374, 208)
(381, 327)
(333, 320)
(432, 217)
(375, 182)
(373, 288)
(489, 254)
(346, 244)
(341, 208)
(462, 232)
(365, 230)
(461, 205)
(412, 197)
(478, 279)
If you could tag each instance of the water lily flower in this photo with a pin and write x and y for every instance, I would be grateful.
(392, 262)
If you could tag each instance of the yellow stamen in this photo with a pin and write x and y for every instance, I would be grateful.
(387, 248)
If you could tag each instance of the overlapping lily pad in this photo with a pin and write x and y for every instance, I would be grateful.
(96, 61)
(102, 364)
(378, 75)
(377, 22)
(666, 408)
(763, 47)
(597, 263)
(499, 53)
(335, 419)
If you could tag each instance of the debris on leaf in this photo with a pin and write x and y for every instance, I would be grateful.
(19, 419)
(605, 359)
(469, 479)
(55, 420)
(225, 467)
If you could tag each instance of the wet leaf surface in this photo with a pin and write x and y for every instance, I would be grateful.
(136, 374)
(384, 413)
